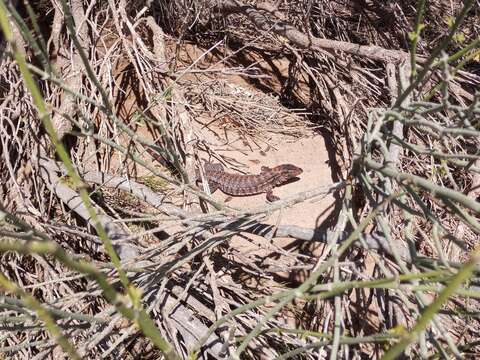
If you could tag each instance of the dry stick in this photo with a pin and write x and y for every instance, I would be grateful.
(313, 278)
(158, 43)
(303, 41)
(47, 182)
(188, 323)
(116, 233)
(374, 241)
(143, 320)
(345, 213)
(72, 69)
(438, 129)
(54, 312)
(284, 294)
(184, 292)
(159, 48)
(184, 125)
(443, 156)
(91, 75)
(29, 344)
(180, 314)
(51, 248)
(109, 112)
(60, 149)
(15, 193)
(152, 198)
(421, 302)
(434, 189)
(475, 186)
(397, 131)
(432, 309)
(419, 294)
(72, 199)
(132, 328)
(196, 329)
(474, 193)
(100, 334)
(395, 151)
(435, 53)
(420, 298)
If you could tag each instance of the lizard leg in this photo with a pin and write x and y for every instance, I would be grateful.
(212, 186)
(271, 197)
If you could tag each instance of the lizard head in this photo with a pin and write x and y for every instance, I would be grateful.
(287, 172)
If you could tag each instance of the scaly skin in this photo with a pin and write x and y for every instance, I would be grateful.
(241, 185)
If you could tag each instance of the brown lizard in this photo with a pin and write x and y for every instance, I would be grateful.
(240, 185)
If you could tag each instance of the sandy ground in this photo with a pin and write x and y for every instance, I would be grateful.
(308, 153)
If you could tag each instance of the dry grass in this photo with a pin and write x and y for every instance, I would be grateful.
(409, 153)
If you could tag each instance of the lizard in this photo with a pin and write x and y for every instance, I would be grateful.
(241, 185)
